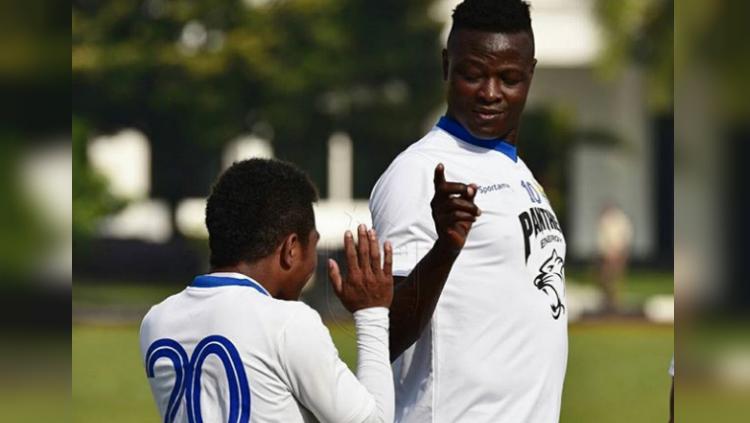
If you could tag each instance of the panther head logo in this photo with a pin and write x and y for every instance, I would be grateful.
(551, 274)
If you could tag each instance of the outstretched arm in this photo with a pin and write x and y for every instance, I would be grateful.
(415, 296)
(366, 292)
(312, 367)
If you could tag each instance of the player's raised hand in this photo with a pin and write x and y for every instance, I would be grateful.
(367, 283)
(453, 211)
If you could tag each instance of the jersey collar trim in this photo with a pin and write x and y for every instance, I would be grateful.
(215, 280)
(454, 128)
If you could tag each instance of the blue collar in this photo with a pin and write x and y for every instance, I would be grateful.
(214, 280)
(454, 128)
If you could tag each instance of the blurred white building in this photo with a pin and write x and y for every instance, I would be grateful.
(124, 160)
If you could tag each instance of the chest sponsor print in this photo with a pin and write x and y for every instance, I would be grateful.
(541, 229)
(550, 280)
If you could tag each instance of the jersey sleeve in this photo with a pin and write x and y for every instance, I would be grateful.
(322, 383)
(373, 361)
(401, 213)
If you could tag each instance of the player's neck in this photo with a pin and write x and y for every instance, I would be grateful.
(512, 137)
(258, 271)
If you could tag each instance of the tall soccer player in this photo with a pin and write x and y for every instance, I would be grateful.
(478, 321)
(235, 346)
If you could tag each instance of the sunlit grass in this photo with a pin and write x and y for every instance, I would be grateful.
(616, 373)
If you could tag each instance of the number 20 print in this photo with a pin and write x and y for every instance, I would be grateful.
(188, 376)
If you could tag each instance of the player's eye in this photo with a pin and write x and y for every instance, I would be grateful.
(512, 79)
(471, 74)
(512, 82)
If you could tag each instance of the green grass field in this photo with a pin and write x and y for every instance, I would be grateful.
(35, 368)
(617, 372)
(636, 288)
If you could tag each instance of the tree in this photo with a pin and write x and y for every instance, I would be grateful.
(192, 75)
(91, 200)
(640, 32)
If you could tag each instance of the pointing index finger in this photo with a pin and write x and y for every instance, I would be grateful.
(439, 175)
(471, 191)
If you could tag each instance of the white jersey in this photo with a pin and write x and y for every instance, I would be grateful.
(496, 347)
(224, 350)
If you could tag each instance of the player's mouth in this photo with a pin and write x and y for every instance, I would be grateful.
(487, 115)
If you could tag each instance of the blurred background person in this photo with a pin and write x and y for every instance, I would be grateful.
(614, 237)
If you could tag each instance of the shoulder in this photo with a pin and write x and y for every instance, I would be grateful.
(414, 167)
(158, 319)
(300, 310)
(423, 154)
(298, 316)
(527, 174)
(303, 333)
(274, 315)
(410, 161)
(523, 169)
(157, 310)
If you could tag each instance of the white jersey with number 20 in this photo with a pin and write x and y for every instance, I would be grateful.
(223, 350)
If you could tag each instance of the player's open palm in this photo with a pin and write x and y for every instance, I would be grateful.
(367, 283)
(453, 210)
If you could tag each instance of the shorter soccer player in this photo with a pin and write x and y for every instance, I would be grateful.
(236, 346)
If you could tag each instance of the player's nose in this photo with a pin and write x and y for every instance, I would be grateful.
(489, 91)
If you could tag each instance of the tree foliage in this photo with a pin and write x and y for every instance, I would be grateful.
(641, 32)
(194, 74)
(91, 199)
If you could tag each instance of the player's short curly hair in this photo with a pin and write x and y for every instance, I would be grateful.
(253, 206)
(502, 16)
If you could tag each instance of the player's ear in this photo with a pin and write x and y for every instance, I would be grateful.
(446, 63)
(290, 251)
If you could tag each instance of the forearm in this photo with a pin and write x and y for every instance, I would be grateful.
(415, 298)
(373, 366)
